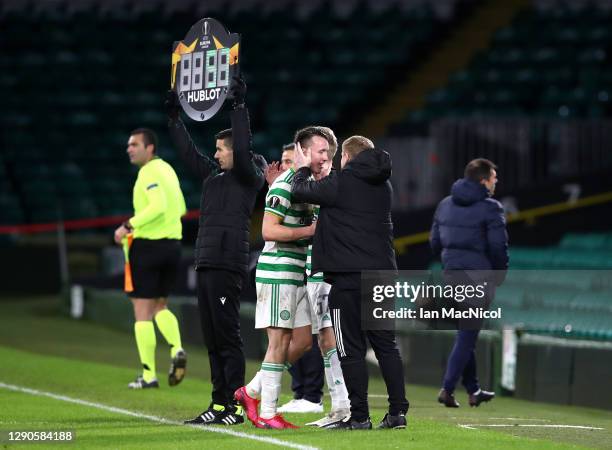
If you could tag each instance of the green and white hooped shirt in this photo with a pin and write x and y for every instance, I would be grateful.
(284, 262)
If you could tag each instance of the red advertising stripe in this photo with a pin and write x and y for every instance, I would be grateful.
(77, 224)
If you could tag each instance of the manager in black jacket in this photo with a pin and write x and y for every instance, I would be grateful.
(354, 233)
(230, 183)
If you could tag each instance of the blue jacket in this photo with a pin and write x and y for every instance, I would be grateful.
(469, 229)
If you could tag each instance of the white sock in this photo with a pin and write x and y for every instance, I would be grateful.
(329, 379)
(339, 394)
(254, 386)
(271, 374)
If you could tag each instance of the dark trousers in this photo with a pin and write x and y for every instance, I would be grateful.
(307, 374)
(345, 306)
(219, 304)
(462, 362)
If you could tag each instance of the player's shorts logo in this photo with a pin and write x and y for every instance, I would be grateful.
(285, 315)
(202, 66)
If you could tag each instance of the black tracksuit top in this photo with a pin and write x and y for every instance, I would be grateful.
(354, 229)
(228, 197)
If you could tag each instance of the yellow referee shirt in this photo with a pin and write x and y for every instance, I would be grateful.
(158, 202)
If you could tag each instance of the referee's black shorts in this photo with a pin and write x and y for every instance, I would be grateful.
(154, 265)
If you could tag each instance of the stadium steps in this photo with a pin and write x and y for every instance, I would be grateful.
(455, 53)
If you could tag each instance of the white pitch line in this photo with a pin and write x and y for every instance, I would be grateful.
(519, 418)
(472, 426)
(127, 412)
(526, 419)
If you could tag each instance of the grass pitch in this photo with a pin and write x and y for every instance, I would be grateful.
(59, 374)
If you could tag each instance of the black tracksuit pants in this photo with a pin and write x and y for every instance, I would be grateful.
(219, 305)
(345, 306)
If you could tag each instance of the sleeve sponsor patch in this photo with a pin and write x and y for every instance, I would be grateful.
(151, 186)
(274, 202)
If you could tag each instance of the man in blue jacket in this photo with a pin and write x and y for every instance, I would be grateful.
(469, 231)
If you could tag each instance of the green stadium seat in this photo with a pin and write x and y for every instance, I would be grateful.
(593, 301)
(549, 297)
(552, 63)
(586, 241)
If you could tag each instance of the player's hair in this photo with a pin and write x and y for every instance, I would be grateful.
(148, 137)
(289, 147)
(226, 136)
(356, 144)
(333, 143)
(305, 134)
(479, 169)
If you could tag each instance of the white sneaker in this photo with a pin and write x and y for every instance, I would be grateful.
(287, 406)
(333, 417)
(301, 406)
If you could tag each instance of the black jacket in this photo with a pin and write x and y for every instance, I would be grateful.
(469, 229)
(228, 197)
(354, 229)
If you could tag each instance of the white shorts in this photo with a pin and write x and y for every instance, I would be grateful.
(282, 306)
(318, 293)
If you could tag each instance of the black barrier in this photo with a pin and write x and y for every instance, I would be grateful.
(425, 354)
(564, 372)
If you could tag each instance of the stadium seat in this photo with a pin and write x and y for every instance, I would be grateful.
(112, 91)
(549, 63)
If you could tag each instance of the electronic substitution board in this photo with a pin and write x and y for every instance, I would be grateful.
(203, 65)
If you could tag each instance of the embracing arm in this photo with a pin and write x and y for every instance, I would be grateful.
(322, 192)
(273, 230)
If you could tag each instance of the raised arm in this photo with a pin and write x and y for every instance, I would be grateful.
(198, 163)
(244, 167)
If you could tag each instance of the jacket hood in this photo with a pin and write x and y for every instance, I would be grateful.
(372, 166)
(467, 192)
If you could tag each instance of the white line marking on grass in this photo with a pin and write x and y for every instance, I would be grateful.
(506, 418)
(472, 426)
(518, 418)
(127, 412)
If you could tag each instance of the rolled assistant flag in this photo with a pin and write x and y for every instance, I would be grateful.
(128, 286)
